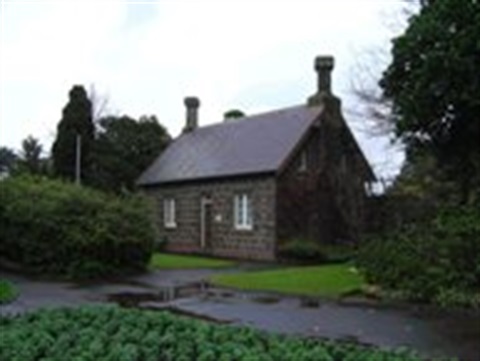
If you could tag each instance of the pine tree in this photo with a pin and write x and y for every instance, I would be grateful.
(76, 125)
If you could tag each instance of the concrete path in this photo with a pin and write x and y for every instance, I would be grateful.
(431, 333)
(37, 293)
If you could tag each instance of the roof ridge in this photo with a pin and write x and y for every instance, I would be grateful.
(250, 117)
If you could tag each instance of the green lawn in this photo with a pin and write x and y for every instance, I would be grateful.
(329, 280)
(175, 261)
(7, 292)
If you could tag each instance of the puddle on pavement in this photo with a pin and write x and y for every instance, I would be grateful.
(266, 299)
(165, 294)
(79, 284)
(133, 299)
(309, 302)
(158, 301)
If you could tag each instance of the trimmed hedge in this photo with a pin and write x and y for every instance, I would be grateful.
(61, 228)
(432, 261)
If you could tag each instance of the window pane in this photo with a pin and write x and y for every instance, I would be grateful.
(165, 212)
(248, 209)
(236, 211)
(169, 212)
(242, 211)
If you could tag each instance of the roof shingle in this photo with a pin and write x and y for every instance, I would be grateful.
(254, 144)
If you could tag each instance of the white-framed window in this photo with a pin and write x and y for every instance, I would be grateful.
(169, 219)
(242, 212)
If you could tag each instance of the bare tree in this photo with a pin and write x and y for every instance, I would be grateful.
(99, 103)
(373, 108)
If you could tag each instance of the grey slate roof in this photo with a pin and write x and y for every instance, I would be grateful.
(254, 144)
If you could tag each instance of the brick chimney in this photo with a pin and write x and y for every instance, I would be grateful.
(323, 66)
(192, 104)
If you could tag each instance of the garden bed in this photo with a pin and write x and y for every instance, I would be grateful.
(112, 333)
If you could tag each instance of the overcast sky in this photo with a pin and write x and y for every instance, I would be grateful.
(145, 57)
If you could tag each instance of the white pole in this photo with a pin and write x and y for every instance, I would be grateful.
(78, 159)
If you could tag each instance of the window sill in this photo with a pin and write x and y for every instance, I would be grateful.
(170, 226)
(243, 228)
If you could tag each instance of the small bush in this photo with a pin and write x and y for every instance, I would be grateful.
(61, 228)
(8, 292)
(337, 253)
(161, 244)
(300, 249)
(433, 261)
(307, 250)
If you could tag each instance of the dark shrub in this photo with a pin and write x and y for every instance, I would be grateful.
(61, 228)
(307, 250)
(436, 260)
(8, 292)
(300, 249)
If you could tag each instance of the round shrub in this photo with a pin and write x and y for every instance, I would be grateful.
(8, 292)
(61, 228)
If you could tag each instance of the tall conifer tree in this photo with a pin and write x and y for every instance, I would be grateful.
(76, 124)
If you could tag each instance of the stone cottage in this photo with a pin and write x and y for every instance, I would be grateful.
(242, 187)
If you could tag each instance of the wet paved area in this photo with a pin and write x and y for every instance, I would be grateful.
(430, 332)
(433, 334)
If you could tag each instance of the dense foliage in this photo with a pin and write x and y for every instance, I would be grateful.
(8, 292)
(233, 114)
(433, 83)
(75, 126)
(65, 229)
(8, 158)
(30, 160)
(436, 260)
(113, 152)
(114, 334)
(124, 148)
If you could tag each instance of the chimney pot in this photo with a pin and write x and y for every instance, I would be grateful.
(324, 66)
(192, 104)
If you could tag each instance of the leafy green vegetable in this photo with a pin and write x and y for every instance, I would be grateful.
(115, 334)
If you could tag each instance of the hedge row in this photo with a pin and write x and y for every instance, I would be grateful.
(60, 228)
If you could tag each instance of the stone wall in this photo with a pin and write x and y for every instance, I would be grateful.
(325, 202)
(224, 240)
(305, 209)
